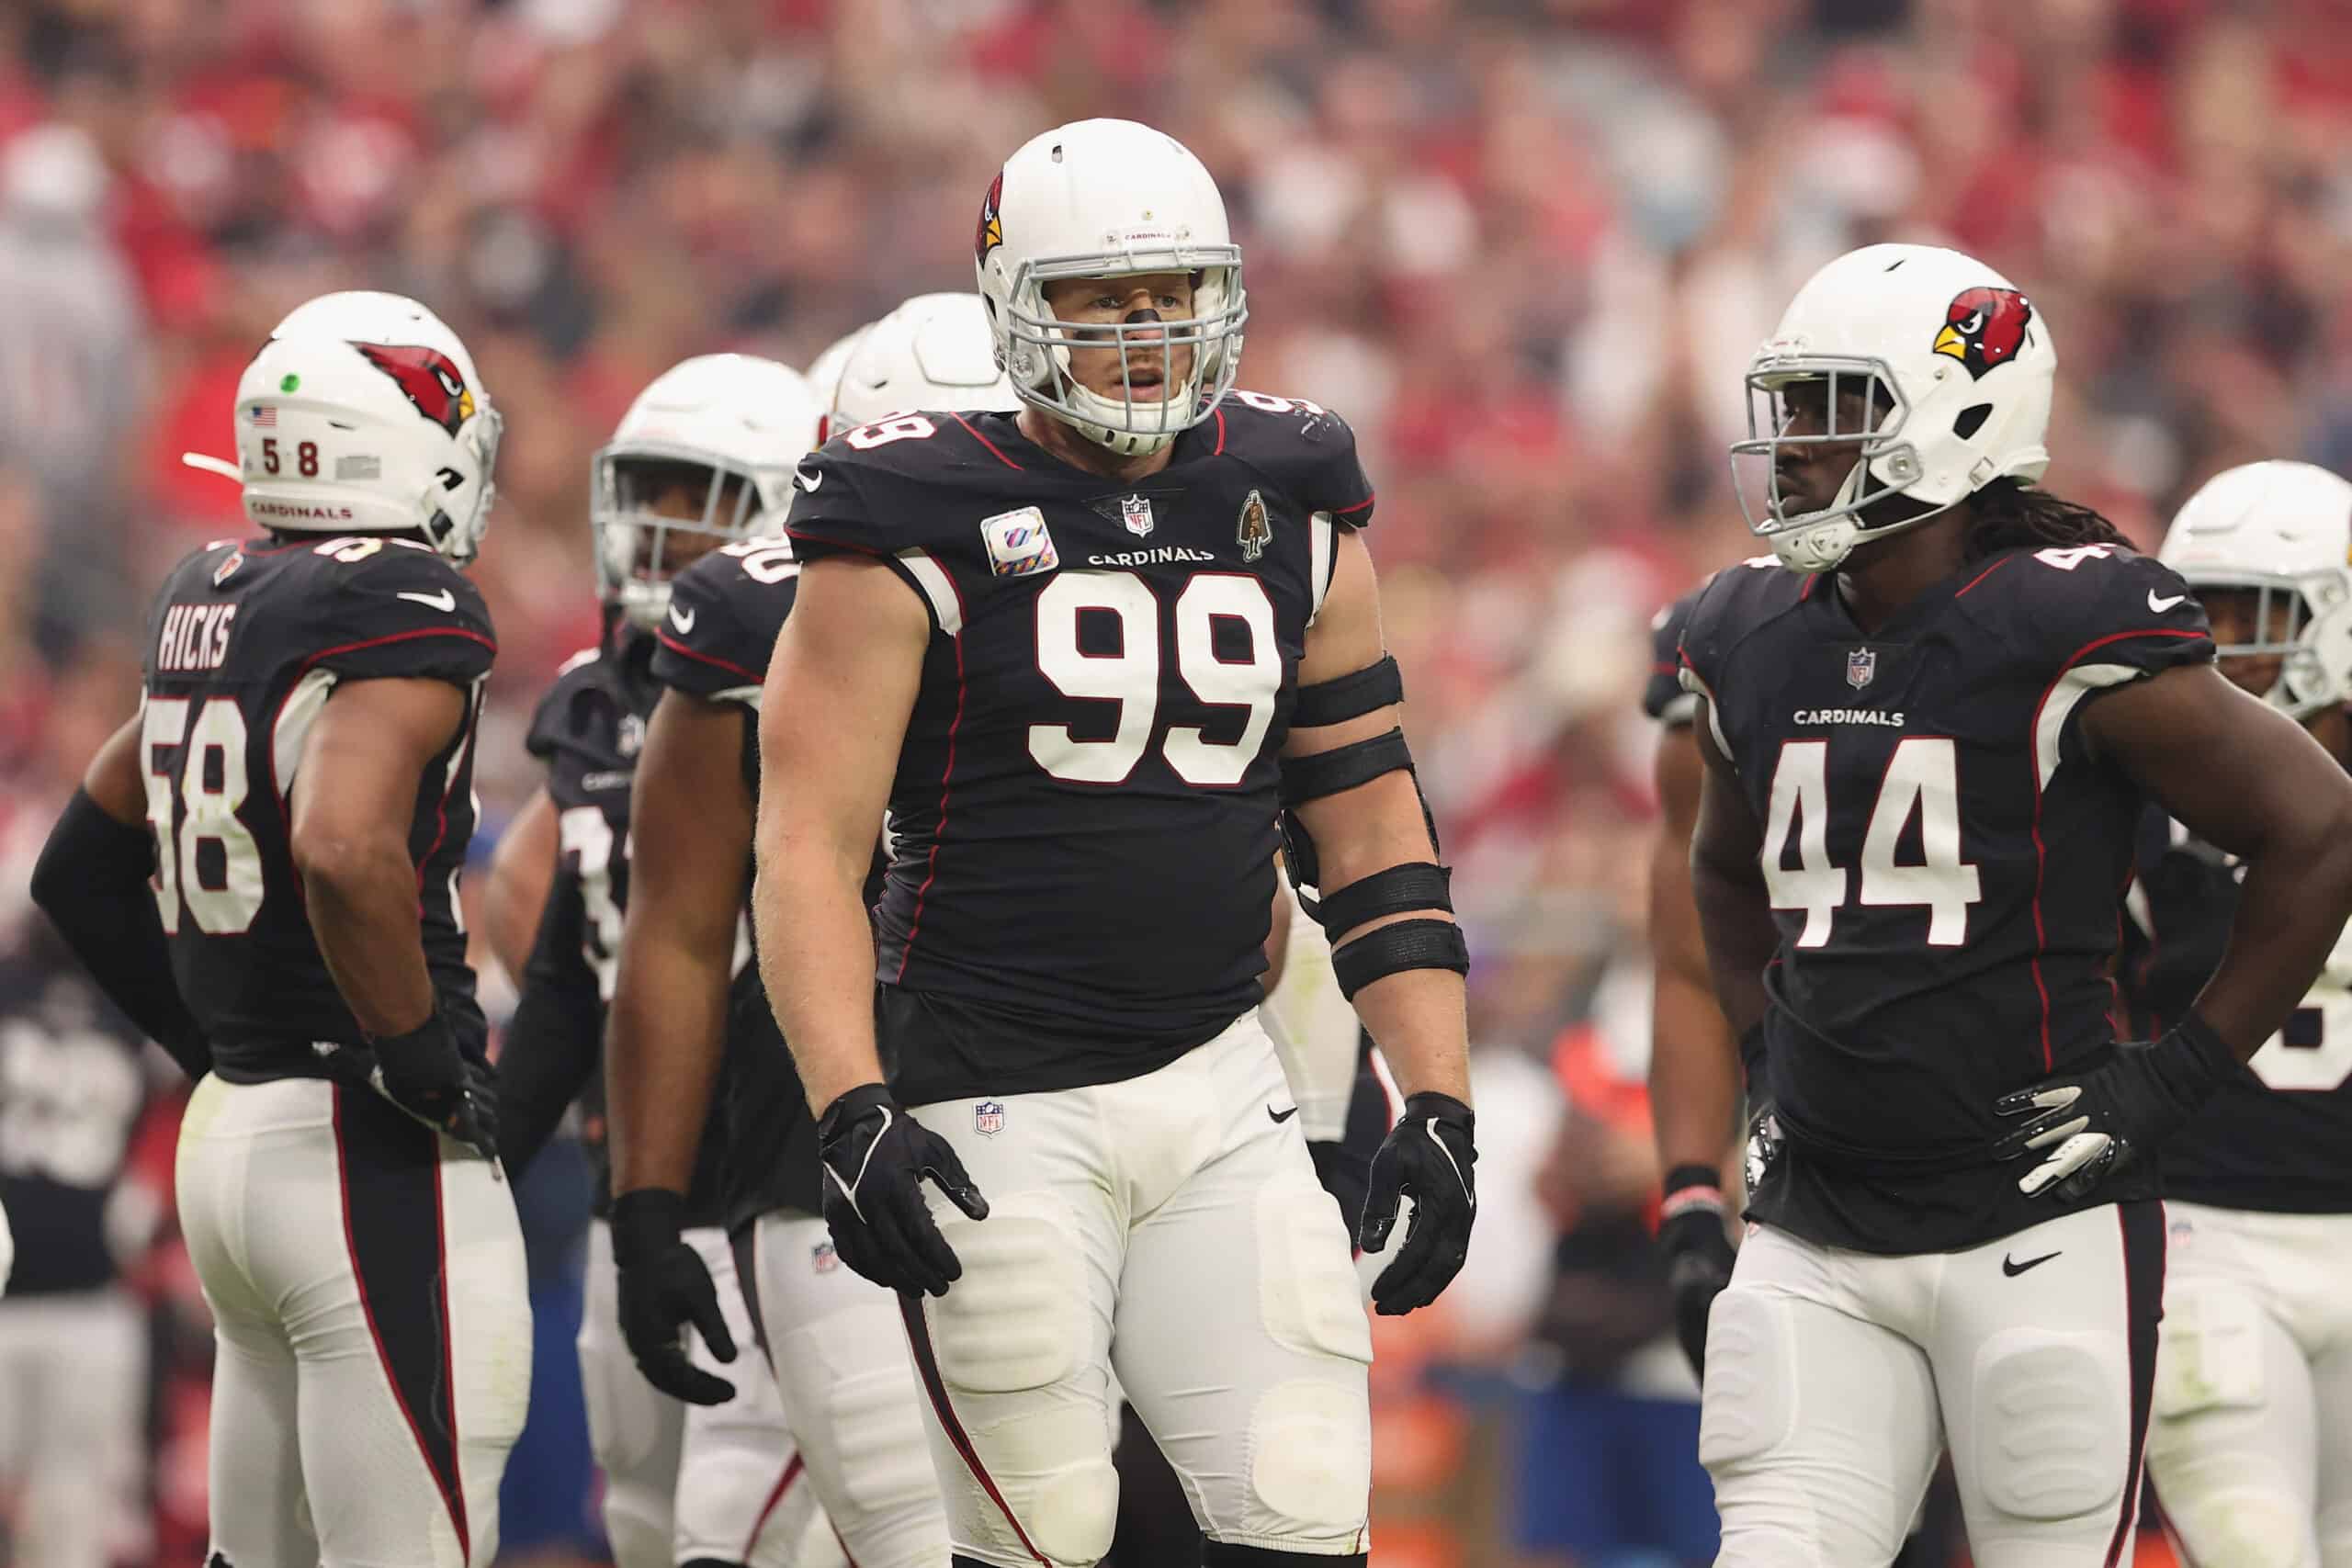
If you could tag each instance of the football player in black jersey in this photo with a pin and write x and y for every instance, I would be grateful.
(2252, 1447)
(702, 458)
(1070, 648)
(1929, 746)
(834, 1339)
(262, 870)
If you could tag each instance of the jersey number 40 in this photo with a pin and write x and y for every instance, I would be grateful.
(1922, 779)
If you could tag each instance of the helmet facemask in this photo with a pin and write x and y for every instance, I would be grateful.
(2285, 627)
(1885, 465)
(640, 549)
(1035, 344)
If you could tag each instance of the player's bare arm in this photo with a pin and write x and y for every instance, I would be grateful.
(690, 822)
(1695, 1060)
(834, 714)
(353, 793)
(352, 800)
(522, 868)
(1394, 942)
(2243, 777)
(840, 690)
(1695, 1080)
(92, 881)
(1727, 890)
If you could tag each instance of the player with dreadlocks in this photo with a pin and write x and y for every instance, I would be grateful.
(1928, 745)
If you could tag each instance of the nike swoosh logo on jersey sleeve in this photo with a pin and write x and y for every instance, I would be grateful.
(443, 601)
(683, 620)
(808, 481)
(2161, 605)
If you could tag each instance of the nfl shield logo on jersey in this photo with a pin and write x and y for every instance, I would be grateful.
(1860, 665)
(988, 1118)
(1135, 511)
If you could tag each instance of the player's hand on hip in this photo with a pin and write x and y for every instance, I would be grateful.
(2088, 1126)
(664, 1287)
(425, 1075)
(1428, 1155)
(876, 1157)
(1698, 1254)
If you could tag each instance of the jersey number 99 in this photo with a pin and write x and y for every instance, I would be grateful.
(1130, 677)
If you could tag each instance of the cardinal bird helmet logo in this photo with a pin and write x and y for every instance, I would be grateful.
(990, 233)
(1984, 328)
(427, 377)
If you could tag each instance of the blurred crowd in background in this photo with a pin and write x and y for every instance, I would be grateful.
(1525, 246)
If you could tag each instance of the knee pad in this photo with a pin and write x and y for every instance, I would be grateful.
(873, 1411)
(2053, 1423)
(1308, 1296)
(1053, 1470)
(2249, 1528)
(1017, 1319)
(1747, 1407)
(1310, 1467)
(2209, 1353)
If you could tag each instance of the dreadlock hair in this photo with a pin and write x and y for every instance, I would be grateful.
(2009, 515)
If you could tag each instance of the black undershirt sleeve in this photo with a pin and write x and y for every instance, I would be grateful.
(554, 1042)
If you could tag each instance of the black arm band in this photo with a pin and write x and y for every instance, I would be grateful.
(1408, 944)
(91, 880)
(1349, 696)
(1418, 885)
(1344, 767)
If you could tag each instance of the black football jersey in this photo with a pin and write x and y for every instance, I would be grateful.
(1663, 697)
(1084, 805)
(72, 1088)
(247, 645)
(1946, 864)
(725, 610)
(2277, 1137)
(588, 730)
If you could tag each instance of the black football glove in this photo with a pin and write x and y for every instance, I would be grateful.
(1345, 1175)
(2088, 1126)
(1698, 1254)
(663, 1286)
(424, 1073)
(876, 1157)
(1428, 1154)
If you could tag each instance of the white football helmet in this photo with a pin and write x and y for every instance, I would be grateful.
(2284, 529)
(937, 351)
(725, 416)
(1110, 198)
(1956, 368)
(824, 374)
(363, 412)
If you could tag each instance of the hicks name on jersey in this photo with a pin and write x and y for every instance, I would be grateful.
(1848, 716)
(194, 637)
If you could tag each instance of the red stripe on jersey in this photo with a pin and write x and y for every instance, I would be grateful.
(2040, 855)
(441, 811)
(1218, 451)
(946, 787)
(985, 442)
(1985, 573)
(675, 646)
(1359, 506)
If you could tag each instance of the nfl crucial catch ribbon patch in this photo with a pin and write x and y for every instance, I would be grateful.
(1018, 543)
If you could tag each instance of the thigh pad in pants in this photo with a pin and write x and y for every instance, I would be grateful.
(2048, 1440)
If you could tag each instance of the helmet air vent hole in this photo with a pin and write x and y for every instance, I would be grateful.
(1971, 420)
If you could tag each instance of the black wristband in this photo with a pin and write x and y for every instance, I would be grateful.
(646, 1219)
(2205, 1058)
(1693, 1175)
(1430, 1105)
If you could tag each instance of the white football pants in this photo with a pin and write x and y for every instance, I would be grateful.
(73, 1424)
(1835, 1380)
(687, 1483)
(1169, 1226)
(2252, 1446)
(840, 1356)
(372, 1322)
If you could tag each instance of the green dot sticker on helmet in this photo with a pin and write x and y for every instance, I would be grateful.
(288, 382)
